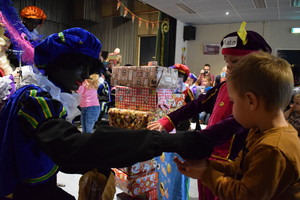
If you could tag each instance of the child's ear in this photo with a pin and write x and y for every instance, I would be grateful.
(252, 100)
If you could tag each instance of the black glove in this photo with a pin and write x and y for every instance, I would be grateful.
(189, 145)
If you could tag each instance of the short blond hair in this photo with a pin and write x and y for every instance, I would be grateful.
(93, 81)
(267, 76)
(296, 96)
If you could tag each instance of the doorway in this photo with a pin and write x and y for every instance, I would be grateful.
(147, 49)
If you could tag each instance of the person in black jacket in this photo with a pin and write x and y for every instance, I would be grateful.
(38, 138)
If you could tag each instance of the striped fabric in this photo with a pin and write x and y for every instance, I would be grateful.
(38, 108)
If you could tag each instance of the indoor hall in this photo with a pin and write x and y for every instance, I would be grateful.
(183, 35)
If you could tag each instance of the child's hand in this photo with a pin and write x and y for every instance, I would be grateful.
(292, 107)
(155, 126)
(191, 168)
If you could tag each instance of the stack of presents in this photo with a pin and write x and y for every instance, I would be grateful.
(143, 94)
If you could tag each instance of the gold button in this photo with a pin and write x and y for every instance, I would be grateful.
(222, 103)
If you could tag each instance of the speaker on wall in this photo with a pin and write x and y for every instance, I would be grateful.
(189, 33)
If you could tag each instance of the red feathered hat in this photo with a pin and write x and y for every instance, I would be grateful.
(182, 69)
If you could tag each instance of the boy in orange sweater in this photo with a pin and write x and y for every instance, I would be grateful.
(268, 167)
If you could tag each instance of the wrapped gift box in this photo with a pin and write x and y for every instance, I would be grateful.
(131, 119)
(144, 99)
(147, 99)
(161, 113)
(169, 101)
(153, 63)
(112, 57)
(136, 185)
(145, 76)
(139, 168)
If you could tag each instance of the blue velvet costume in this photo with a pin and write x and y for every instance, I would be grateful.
(20, 157)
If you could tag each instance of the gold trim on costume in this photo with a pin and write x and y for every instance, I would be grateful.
(229, 150)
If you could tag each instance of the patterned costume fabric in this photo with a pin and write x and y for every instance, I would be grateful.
(7, 87)
(193, 88)
(171, 183)
(23, 160)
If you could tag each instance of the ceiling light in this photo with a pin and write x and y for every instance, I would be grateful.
(259, 3)
(295, 30)
(185, 8)
(227, 13)
(295, 3)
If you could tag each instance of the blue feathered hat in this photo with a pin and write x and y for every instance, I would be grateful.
(73, 40)
(193, 76)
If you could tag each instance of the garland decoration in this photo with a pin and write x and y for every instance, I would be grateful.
(134, 16)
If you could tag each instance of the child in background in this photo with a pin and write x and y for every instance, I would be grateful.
(292, 115)
(268, 167)
(221, 77)
(224, 74)
(190, 82)
(207, 82)
(104, 97)
(204, 116)
(89, 103)
(183, 74)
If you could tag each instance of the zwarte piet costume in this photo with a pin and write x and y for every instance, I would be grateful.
(37, 139)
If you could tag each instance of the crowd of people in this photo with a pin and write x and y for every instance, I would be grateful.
(249, 150)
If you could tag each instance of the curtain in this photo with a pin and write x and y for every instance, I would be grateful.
(113, 32)
(59, 14)
(118, 32)
(166, 40)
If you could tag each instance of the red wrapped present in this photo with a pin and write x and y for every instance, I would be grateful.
(168, 101)
(135, 185)
(139, 168)
(145, 76)
(147, 99)
(136, 98)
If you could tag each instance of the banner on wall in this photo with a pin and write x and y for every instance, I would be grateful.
(211, 49)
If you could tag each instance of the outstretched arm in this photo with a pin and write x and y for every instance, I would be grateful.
(202, 103)
(42, 118)
(114, 147)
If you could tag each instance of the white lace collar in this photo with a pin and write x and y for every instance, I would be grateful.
(69, 100)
